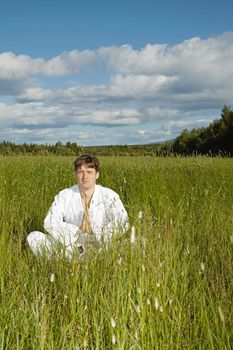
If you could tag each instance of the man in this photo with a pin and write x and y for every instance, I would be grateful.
(81, 215)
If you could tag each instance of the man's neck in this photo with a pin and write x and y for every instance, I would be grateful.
(87, 193)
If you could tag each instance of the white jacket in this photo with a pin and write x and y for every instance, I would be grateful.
(107, 214)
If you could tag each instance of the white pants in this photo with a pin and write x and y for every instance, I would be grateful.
(41, 243)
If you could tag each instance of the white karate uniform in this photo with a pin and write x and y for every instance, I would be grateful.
(106, 211)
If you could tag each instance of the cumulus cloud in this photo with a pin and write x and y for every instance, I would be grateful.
(69, 63)
(175, 126)
(195, 57)
(17, 67)
(32, 116)
(111, 118)
(177, 86)
(36, 115)
(21, 66)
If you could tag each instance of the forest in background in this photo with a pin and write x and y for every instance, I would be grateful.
(215, 139)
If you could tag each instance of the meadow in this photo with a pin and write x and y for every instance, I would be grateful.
(167, 284)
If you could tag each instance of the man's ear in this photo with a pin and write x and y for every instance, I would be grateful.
(97, 175)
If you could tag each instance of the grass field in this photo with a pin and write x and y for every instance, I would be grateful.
(168, 284)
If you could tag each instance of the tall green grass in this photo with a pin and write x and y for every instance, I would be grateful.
(169, 288)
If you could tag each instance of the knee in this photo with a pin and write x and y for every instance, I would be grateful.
(34, 237)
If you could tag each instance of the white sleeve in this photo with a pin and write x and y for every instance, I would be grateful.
(117, 217)
(55, 225)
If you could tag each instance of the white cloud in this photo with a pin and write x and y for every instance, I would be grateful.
(195, 57)
(179, 125)
(22, 66)
(156, 113)
(14, 67)
(69, 63)
(33, 115)
(37, 115)
(184, 85)
(111, 118)
(35, 93)
(126, 60)
(154, 134)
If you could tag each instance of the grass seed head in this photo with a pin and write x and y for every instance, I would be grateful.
(138, 310)
(140, 215)
(156, 303)
(52, 277)
(113, 339)
(113, 323)
(161, 308)
(202, 267)
(222, 318)
(133, 237)
(85, 343)
(119, 261)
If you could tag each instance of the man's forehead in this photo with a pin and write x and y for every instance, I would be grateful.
(86, 166)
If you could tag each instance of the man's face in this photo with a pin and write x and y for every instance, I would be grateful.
(86, 177)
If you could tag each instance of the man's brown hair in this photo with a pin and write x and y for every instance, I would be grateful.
(88, 159)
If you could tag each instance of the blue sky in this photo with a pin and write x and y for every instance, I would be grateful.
(112, 72)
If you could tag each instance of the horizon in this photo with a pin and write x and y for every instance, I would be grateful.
(80, 145)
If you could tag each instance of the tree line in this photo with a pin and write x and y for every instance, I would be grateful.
(216, 139)
(72, 149)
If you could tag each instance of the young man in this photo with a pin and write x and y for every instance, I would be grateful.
(82, 214)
